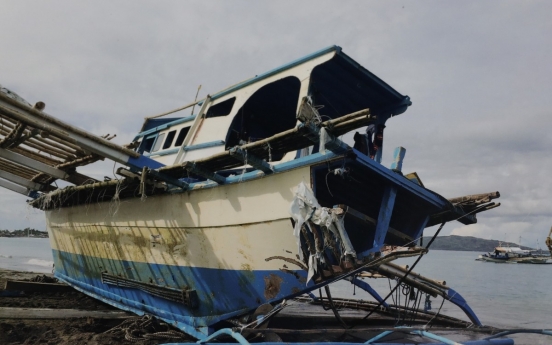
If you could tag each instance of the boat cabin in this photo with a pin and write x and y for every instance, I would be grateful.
(268, 104)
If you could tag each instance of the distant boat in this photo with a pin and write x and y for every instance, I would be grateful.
(513, 255)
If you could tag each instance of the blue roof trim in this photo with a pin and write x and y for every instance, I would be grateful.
(402, 182)
(270, 73)
(164, 126)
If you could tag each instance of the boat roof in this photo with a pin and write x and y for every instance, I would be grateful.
(343, 58)
(511, 249)
(345, 77)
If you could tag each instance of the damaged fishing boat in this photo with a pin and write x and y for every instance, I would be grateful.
(252, 200)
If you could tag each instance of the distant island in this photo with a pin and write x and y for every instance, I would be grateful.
(27, 232)
(469, 243)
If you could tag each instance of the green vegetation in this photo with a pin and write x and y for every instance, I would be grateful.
(27, 232)
(469, 243)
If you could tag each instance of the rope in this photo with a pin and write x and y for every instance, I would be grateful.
(407, 273)
(145, 328)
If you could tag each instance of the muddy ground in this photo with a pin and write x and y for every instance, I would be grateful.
(85, 330)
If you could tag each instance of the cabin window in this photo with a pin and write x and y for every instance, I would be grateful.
(147, 144)
(270, 110)
(181, 136)
(158, 142)
(169, 140)
(221, 109)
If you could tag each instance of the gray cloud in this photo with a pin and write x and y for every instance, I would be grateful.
(478, 73)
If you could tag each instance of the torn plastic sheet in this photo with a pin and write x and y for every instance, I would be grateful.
(305, 207)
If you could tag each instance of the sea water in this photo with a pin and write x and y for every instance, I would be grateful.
(26, 254)
(501, 294)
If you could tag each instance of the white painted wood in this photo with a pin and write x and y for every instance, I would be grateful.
(33, 164)
(229, 226)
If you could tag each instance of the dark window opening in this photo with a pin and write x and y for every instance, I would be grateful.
(340, 88)
(221, 109)
(147, 144)
(158, 142)
(270, 110)
(181, 136)
(169, 140)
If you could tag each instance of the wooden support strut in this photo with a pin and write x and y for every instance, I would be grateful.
(13, 136)
(33, 164)
(254, 161)
(361, 216)
(23, 181)
(197, 170)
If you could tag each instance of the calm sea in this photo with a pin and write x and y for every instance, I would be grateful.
(26, 254)
(502, 295)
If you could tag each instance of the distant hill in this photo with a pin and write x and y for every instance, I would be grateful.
(468, 243)
(27, 232)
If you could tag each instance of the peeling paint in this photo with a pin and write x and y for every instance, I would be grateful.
(272, 286)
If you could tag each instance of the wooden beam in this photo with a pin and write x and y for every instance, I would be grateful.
(22, 285)
(248, 158)
(197, 170)
(17, 188)
(33, 164)
(23, 181)
(13, 136)
(46, 313)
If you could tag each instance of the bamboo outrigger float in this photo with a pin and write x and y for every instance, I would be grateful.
(222, 215)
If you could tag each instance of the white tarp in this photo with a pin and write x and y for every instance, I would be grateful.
(305, 207)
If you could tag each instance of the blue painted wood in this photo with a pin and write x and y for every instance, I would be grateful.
(163, 152)
(143, 161)
(276, 71)
(457, 299)
(401, 182)
(164, 126)
(398, 156)
(421, 228)
(384, 217)
(366, 287)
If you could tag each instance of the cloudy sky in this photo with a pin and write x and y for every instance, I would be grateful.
(479, 74)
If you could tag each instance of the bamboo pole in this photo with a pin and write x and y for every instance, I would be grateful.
(475, 198)
(174, 110)
(34, 155)
(41, 147)
(42, 121)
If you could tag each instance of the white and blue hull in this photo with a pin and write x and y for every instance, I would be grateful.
(213, 241)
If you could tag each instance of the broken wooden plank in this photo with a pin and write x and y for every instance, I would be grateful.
(47, 313)
(23, 285)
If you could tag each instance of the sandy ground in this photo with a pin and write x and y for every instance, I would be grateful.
(85, 330)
